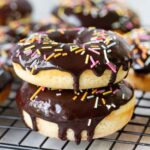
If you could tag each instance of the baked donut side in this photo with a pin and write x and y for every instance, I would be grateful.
(96, 115)
(83, 56)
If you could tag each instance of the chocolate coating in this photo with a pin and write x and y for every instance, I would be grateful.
(70, 49)
(140, 49)
(100, 14)
(59, 107)
(11, 10)
(5, 79)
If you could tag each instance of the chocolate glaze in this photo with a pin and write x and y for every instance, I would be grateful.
(103, 14)
(74, 63)
(14, 10)
(59, 107)
(5, 79)
(140, 50)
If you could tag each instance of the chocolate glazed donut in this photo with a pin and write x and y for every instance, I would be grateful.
(65, 107)
(102, 14)
(74, 51)
(11, 10)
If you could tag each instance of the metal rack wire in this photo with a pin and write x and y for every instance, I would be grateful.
(14, 135)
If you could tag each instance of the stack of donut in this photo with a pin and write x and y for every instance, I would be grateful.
(73, 83)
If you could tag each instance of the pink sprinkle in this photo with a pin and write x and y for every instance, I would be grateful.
(100, 91)
(92, 60)
(44, 57)
(129, 25)
(33, 54)
(111, 66)
(97, 62)
(114, 92)
(43, 88)
(28, 52)
(94, 51)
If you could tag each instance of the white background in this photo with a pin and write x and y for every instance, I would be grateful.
(43, 7)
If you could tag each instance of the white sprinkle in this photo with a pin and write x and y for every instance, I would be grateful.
(108, 106)
(96, 102)
(103, 47)
(62, 45)
(81, 91)
(109, 51)
(111, 45)
(58, 94)
(82, 53)
(89, 97)
(113, 105)
(89, 122)
(105, 55)
(123, 96)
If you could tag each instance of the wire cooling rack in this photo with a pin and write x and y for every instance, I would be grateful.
(14, 135)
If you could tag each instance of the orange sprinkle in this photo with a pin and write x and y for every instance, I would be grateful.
(103, 101)
(64, 54)
(80, 50)
(75, 97)
(36, 93)
(84, 96)
(140, 62)
(57, 55)
(94, 91)
(50, 56)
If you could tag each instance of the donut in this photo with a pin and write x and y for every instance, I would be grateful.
(76, 115)
(11, 10)
(82, 58)
(108, 15)
(5, 84)
(139, 75)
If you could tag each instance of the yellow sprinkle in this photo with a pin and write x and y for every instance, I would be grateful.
(107, 40)
(94, 91)
(27, 48)
(32, 70)
(46, 47)
(36, 93)
(50, 56)
(38, 51)
(73, 49)
(64, 54)
(75, 97)
(57, 55)
(51, 30)
(61, 11)
(78, 9)
(45, 43)
(58, 50)
(103, 101)
(108, 92)
(80, 50)
(84, 96)
(94, 46)
(87, 59)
